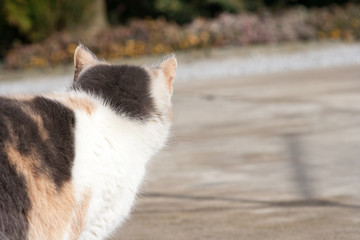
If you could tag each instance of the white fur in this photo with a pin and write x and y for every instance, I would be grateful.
(111, 152)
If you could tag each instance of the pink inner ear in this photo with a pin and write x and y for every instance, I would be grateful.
(83, 58)
(169, 69)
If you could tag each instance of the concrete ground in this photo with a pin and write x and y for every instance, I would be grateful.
(272, 156)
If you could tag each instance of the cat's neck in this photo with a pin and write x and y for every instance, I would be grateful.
(150, 134)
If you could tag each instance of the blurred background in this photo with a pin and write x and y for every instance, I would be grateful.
(45, 33)
(266, 134)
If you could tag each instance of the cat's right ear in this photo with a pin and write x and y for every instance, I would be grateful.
(83, 58)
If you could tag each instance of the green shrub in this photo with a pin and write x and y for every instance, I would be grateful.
(184, 11)
(37, 19)
(8, 34)
(180, 11)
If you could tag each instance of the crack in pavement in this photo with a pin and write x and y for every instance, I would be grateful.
(279, 204)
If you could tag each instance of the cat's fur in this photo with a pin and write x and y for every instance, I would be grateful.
(71, 163)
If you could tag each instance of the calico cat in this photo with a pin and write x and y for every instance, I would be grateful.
(71, 163)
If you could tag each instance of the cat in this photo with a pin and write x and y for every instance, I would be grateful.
(71, 163)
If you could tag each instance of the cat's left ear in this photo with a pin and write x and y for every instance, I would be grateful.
(168, 65)
(83, 58)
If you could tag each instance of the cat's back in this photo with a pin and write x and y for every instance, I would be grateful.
(14, 200)
(40, 130)
(36, 156)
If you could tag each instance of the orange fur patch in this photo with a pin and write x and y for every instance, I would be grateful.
(79, 219)
(79, 103)
(75, 103)
(38, 120)
(51, 208)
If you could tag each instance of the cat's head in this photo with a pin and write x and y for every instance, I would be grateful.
(138, 92)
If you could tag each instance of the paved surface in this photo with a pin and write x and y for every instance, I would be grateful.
(272, 156)
(262, 157)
